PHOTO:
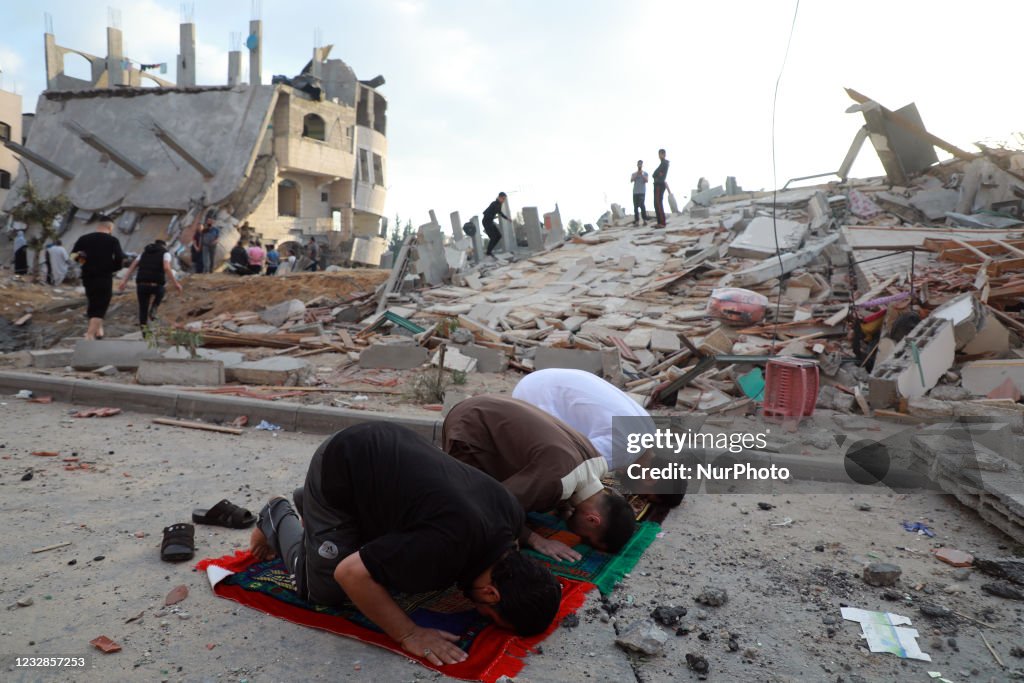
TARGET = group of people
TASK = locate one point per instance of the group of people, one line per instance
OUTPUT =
(639, 178)
(249, 258)
(383, 509)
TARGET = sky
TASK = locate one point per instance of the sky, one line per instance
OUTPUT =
(554, 101)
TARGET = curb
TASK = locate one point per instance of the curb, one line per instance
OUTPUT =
(182, 404)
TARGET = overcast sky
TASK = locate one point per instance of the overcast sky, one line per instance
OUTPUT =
(555, 100)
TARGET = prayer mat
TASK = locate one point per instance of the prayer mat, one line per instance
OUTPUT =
(493, 652)
(601, 569)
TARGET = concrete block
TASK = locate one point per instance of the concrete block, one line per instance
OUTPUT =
(576, 359)
(639, 337)
(910, 374)
(257, 329)
(59, 388)
(51, 358)
(992, 337)
(454, 360)
(966, 314)
(311, 329)
(90, 354)
(553, 227)
(181, 372)
(228, 358)
(278, 314)
(534, 230)
(611, 365)
(574, 322)
(487, 359)
(276, 370)
(393, 356)
(980, 377)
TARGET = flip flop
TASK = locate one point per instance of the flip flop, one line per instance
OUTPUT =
(179, 543)
(224, 513)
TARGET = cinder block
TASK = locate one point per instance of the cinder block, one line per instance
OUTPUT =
(51, 358)
(576, 359)
(920, 359)
(393, 356)
(276, 315)
(276, 370)
(181, 372)
(90, 354)
(487, 359)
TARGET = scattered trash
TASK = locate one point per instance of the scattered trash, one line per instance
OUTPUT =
(27, 476)
(766, 506)
(957, 558)
(786, 521)
(240, 421)
(920, 528)
(885, 633)
(135, 618)
(105, 645)
(177, 594)
(268, 426)
(41, 399)
(24, 393)
(46, 454)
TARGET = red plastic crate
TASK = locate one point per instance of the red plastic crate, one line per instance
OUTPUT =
(790, 387)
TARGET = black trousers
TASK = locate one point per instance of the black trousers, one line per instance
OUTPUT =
(493, 235)
(270, 269)
(150, 295)
(639, 206)
(21, 261)
(98, 291)
(659, 199)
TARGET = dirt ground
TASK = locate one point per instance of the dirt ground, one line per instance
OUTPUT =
(60, 311)
(785, 584)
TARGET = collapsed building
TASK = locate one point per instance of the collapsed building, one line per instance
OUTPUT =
(301, 157)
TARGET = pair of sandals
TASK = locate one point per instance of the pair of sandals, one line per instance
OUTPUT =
(179, 541)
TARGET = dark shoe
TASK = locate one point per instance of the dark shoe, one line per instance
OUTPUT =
(179, 543)
(225, 513)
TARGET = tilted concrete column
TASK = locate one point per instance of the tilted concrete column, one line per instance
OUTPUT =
(534, 231)
(187, 56)
(478, 240)
(54, 61)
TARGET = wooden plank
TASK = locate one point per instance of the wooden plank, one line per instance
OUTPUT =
(196, 425)
(51, 547)
(838, 317)
(22, 320)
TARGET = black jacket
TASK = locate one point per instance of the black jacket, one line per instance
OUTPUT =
(151, 265)
(660, 173)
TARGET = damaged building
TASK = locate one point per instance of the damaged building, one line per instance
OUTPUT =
(304, 156)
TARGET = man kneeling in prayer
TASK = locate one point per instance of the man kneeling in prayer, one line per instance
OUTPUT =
(384, 510)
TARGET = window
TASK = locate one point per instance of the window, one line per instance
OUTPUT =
(313, 127)
(378, 170)
(380, 113)
(364, 167)
(5, 131)
(5, 180)
(287, 198)
(363, 108)
(323, 197)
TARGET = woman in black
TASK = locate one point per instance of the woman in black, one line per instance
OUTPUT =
(154, 267)
(101, 257)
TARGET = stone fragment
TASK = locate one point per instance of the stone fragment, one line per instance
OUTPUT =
(642, 636)
(881, 574)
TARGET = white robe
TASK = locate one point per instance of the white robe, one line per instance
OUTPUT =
(59, 261)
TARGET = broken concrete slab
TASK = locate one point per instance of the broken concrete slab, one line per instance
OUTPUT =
(454, 360)
(90, 354)
(258, 329)
(51, 358)
(277, 370)
(665, 341)
(180, 372)
(393, 356)
(228, 358)
(966, 314)
(758, 239)
(980, 377)
(277, 315)
(935, 203)
(770, 267)
(487, 359)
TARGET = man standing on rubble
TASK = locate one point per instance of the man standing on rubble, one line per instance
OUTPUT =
(101, 257)
(493, 233)
(660, 174)
(313, 254)
(384, 510)
(543, 462)
(211, 236)
(639, 180)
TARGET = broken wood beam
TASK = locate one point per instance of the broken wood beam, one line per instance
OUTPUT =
(196, 425)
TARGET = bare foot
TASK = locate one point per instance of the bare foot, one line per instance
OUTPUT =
(259, 547)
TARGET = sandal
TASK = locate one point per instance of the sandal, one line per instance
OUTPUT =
(224, 513)
(179, 543)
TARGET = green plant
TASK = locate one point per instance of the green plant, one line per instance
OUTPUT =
(458, 377)
(178, 337)
(39, 213)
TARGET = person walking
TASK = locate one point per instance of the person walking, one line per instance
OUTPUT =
(196, 248)
(493, 210)
(313, 254)
(101, 257)
(273, 259)
(20, 254)
(639, 180)
(211, 235)
(57, 260)
(256, 257)
(154, 269)
(660, 174)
